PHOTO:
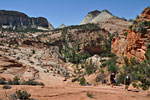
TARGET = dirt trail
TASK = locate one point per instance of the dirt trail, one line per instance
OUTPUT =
(75, 92)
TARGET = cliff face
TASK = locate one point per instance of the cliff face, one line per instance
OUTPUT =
(18, 19)
(136, 40)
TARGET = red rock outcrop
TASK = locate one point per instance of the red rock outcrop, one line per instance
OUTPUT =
(145, 15)
(135, 46)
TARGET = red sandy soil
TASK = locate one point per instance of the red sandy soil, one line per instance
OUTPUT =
(76, 92)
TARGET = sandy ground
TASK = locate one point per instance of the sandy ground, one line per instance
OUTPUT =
(76, 92)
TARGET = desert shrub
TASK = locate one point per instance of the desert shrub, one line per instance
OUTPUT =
(90, 68)
(4, 69)
(75, 79)
(146, 23)
(113, 68)
(111, 65)
(31, 82)
(125, 33)
(120, 78)
(90, 95)
(22, 95)
(130, 27)
(134, 84)
(33, 51)
(82, 81)
(103, 65)
(101, 71)
(10, 82)
(2, 81)
(133, 29)
(6, 87)
(15, 81)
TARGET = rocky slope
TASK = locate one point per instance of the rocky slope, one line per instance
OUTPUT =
(15, 19)
(135, 40)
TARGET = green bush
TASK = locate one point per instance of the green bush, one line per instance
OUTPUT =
(125, 34)
(130, 27)
(82, 81)
(6, 87)
(75, 79)
(120, 78)
(31, 82)
(2, 81)
(10, 82)
(146, 23)
(22, 95)
(15, 81)
(90, 95)
(134, 84)
(101, 71)
(90, 68)
(111, 65)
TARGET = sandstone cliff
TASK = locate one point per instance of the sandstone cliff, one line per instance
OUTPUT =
(15, 19)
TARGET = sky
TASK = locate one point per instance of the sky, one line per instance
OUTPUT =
(71, 12)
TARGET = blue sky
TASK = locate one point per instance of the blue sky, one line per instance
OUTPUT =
(71, 12)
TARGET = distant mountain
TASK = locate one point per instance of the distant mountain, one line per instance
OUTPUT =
(96, 16)
(15, 19)
(62, 26)
(107, 20)
(104, 15)
(91, 15)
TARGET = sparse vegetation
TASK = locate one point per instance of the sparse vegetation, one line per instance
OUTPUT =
(22, 95)
(90, 95)
(139, 71)
(6, 87)
(31, 82)
(120, 78)
(90, 68)
(85, 27)
(82, 81)
(16, 81)
(111, 65)
(73, 53)
(21, 29)
(125, 33)
(75, 79)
